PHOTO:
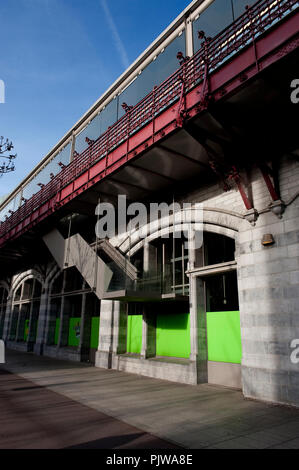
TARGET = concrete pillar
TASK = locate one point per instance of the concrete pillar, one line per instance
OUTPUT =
(85, 329)
(31, 336)
(268, 281)
(112, 339)
(33, 325)
(54, 309)
(148, 333)
(21, 322)
(64, 322)
(7, 319)
(41, 325)
(13, 323)
(120, 327)
(198, 327)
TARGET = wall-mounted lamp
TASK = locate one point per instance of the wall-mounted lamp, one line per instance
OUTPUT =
(268, 239)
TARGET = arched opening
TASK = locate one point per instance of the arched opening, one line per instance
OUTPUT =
(25, 312)
(73, 318)
(3, 302)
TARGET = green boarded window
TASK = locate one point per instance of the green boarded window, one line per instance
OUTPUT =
(134, 334)
(74, 331)
(224, 337)
(173, 335)
(94, 336)
(26, 330)
(57, 326)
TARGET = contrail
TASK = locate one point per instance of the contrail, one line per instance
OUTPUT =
(118, 42)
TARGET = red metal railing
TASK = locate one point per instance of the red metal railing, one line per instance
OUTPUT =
(220, 49)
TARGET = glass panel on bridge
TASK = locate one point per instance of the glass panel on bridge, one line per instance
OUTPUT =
(154, 73)
(239, 6)
(109, 115)
(92, 131)
(48, 172)
(11, 206)
(214, 19)
(53, 167)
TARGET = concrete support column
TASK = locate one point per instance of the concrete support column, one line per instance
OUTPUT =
(148, 334)
(33, 325)
(85, 329)
(113, 326)
(21, 322)
(54, 308)
(41, 325)
(268, 281)
(64, 322)
(7, 319)
(120, 327)
(31, 335)
(13, 323)
(198, 328)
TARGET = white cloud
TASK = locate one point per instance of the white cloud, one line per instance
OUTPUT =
(116, 37)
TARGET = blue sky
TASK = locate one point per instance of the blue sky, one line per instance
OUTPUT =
(58, 56)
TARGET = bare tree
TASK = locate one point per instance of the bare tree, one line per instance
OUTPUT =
(7, 164)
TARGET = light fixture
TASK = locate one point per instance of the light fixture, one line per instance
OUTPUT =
(268, 239)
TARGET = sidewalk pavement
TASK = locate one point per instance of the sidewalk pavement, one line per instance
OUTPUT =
(201, 416)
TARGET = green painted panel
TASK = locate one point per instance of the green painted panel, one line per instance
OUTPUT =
(74, 331)
(224, 337)
(94, 336)
(57, 326)
(134, 334)
(26, 330)
(173, 335)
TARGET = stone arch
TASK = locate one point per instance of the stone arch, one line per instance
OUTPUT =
(23, 277)
(51, 277)
(222, 222)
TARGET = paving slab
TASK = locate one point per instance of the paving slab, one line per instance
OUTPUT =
(34, 417)
(199, 416)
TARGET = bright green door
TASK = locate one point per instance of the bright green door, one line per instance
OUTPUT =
(224, 337)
